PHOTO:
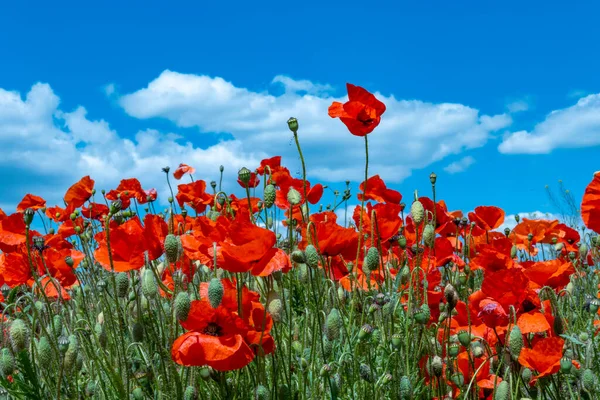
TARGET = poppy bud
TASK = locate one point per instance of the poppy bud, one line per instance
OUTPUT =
(451, 296)
(7, 363)
(182, 306)
(526, 375)
(269, 195)
(166, 169)
(333, 324)
(28, 215)
(325, 370)
(312, 256)
(294, 197)
(365, 372)
(172, 248)
(371, 262)
(507, 231)
(437, 366)
(405, 388)
(215, 292)
(205, 373)
(458, 379)
(515, 342)
(44, 351)
(293, 124)
(137, 394)
(274, 305)
(502, 391)
(429, 235)
(191, 393)
(560, 325)
(588, 379)
(422, 314)
(298, 257)
(149, 285)
(115, 206)
(418, 212)
(432, 178)
(137, 332)
(19, 335)
(244, 175)
(462, 278)
(517, 218)
(583, 250)
(122, 281)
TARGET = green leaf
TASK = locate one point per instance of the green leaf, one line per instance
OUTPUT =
(572, 339)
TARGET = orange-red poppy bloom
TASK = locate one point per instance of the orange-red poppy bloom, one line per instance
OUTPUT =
(80, 192)
(155, 231)
(590, 205)
(273, 164)
(361, 113)
(544, 357)
(129, 189)
(127, 244)
(182, 170)
(533, 322)
(378, 191)
(194, 194)
(31, 201)
(487, 217)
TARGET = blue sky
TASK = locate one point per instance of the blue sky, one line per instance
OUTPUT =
(473, 84)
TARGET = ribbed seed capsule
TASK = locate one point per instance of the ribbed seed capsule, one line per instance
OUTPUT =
(215, 292)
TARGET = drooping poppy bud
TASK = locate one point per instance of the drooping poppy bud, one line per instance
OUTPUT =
(149, 285)
(312, 256)
(371, 262)
(215, 292)
(172, 244)
(515, 342)
(19, 335)
(333, 324)
(182, 306)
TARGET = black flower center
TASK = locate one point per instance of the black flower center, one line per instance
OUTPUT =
(212, 329)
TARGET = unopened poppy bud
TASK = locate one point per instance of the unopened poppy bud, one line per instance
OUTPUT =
(462, 278)
(588, 379)
(205, 373)
(418, 212)
(405, 388)
(122, 281)
(364, 371)
(583, 250)
(244, 175)
(432, 178)
(422, 314)
(274, 306)
(515, 342)
(312, 256)
(28, 215)
(594, 306)
(529, 237)
(44, 351)
(115, 206)
(215, 292)
(293, 124)
(298, 257)
(526, 375)
(517, 218)
(166, 169)
(7, 363)
(560, 325)
(182, 306)
(19, 335)
(451, 296)
(137, 394)
(371, 262)
(429, 235)
(506, 232)
(437, 366)
(513, 251)
(365, 332)
(269, 195)
(149, 285)
(191, 393)
(294, 197)
(333, 324)
(172, 244)
(502, 391)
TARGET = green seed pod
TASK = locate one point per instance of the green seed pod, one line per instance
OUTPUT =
(137, 394)
(122, 280)
(405, 388)
(365, 332)
(502, 391)
(172, 244)
(526, 375)
(464, 338)
(312, 256)
(215, 292)
(404, 275)
(341, 294)
(365, 373)
(588, 379)
(275, 306)
(371, 262)
(269, 196)
(294, 197)
(205, 373)
(583, 336)
(333, 324)
(190, 393)
(402, 242)
(454, 349)
(429, 235)
(182, 305)
(458, 379)
(422, 314)
(565, 365)
(325, 371)
(515, 342)
(396, 340)
(269, 222)
(418, 212)
(44, 351)
(583, 250)
(19, 335)
(298, 257)
(149, 285)
(7, 363)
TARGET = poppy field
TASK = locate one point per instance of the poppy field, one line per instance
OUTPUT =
(266, 293)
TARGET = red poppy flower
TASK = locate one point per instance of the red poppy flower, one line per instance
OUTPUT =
(508, 287)
(274, 164)
(332, 238)
(554, 273)
(31, 201)
(361, 113)
(252, 183)
(95, 211)
(215, 338)
(492, 313)
(533, 322)
(544, 357)
(487, 217)
(12, 232)
(127, 243)
(388, 221)
(155, 231)
(194, 194)
(14, 268)
(376, 190)
(182, 170)
(590, 205)
(128, 189)
(53, 289)
(57, 265)
(59, 214)
(79, 192)
(274, 260)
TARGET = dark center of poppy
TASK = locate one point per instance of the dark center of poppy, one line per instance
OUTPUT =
(365, 116)
(212, 329)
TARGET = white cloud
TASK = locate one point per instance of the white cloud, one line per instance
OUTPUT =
(517, 106)
(109, 89)
(572, 127)
(460, 165)
(510, 221)
(412, 134)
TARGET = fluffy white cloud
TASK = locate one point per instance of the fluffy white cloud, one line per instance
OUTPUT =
(572, 127)
(412, 134)
(460, 165)
(517, 106)
(46, 149)
(510, 221)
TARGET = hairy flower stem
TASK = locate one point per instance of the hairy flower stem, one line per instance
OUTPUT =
(303, 176)
(362, 202)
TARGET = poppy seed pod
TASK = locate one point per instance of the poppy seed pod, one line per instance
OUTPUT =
(191, 393)
(172, 244)
(269, 195)
(371, 262)
(365, 332)
(418, 212)
(451, 296)
(515, 342)
(19, 335)
(396, 340)
(502, 391)
(115, 206)
(312, 256)
(432, 178)
(294, 197)
(325, 371)
(122, 281)
(422, 314)
(437, 366)
(565, 365)
(402, 242)
(7, 363)
(244, 175)
(69, 261)
(149, 285)
(274, 305)
(333, 324)
(215, 292)
(293, 124)
(298, 257)
(28, 215)
(182, 306)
